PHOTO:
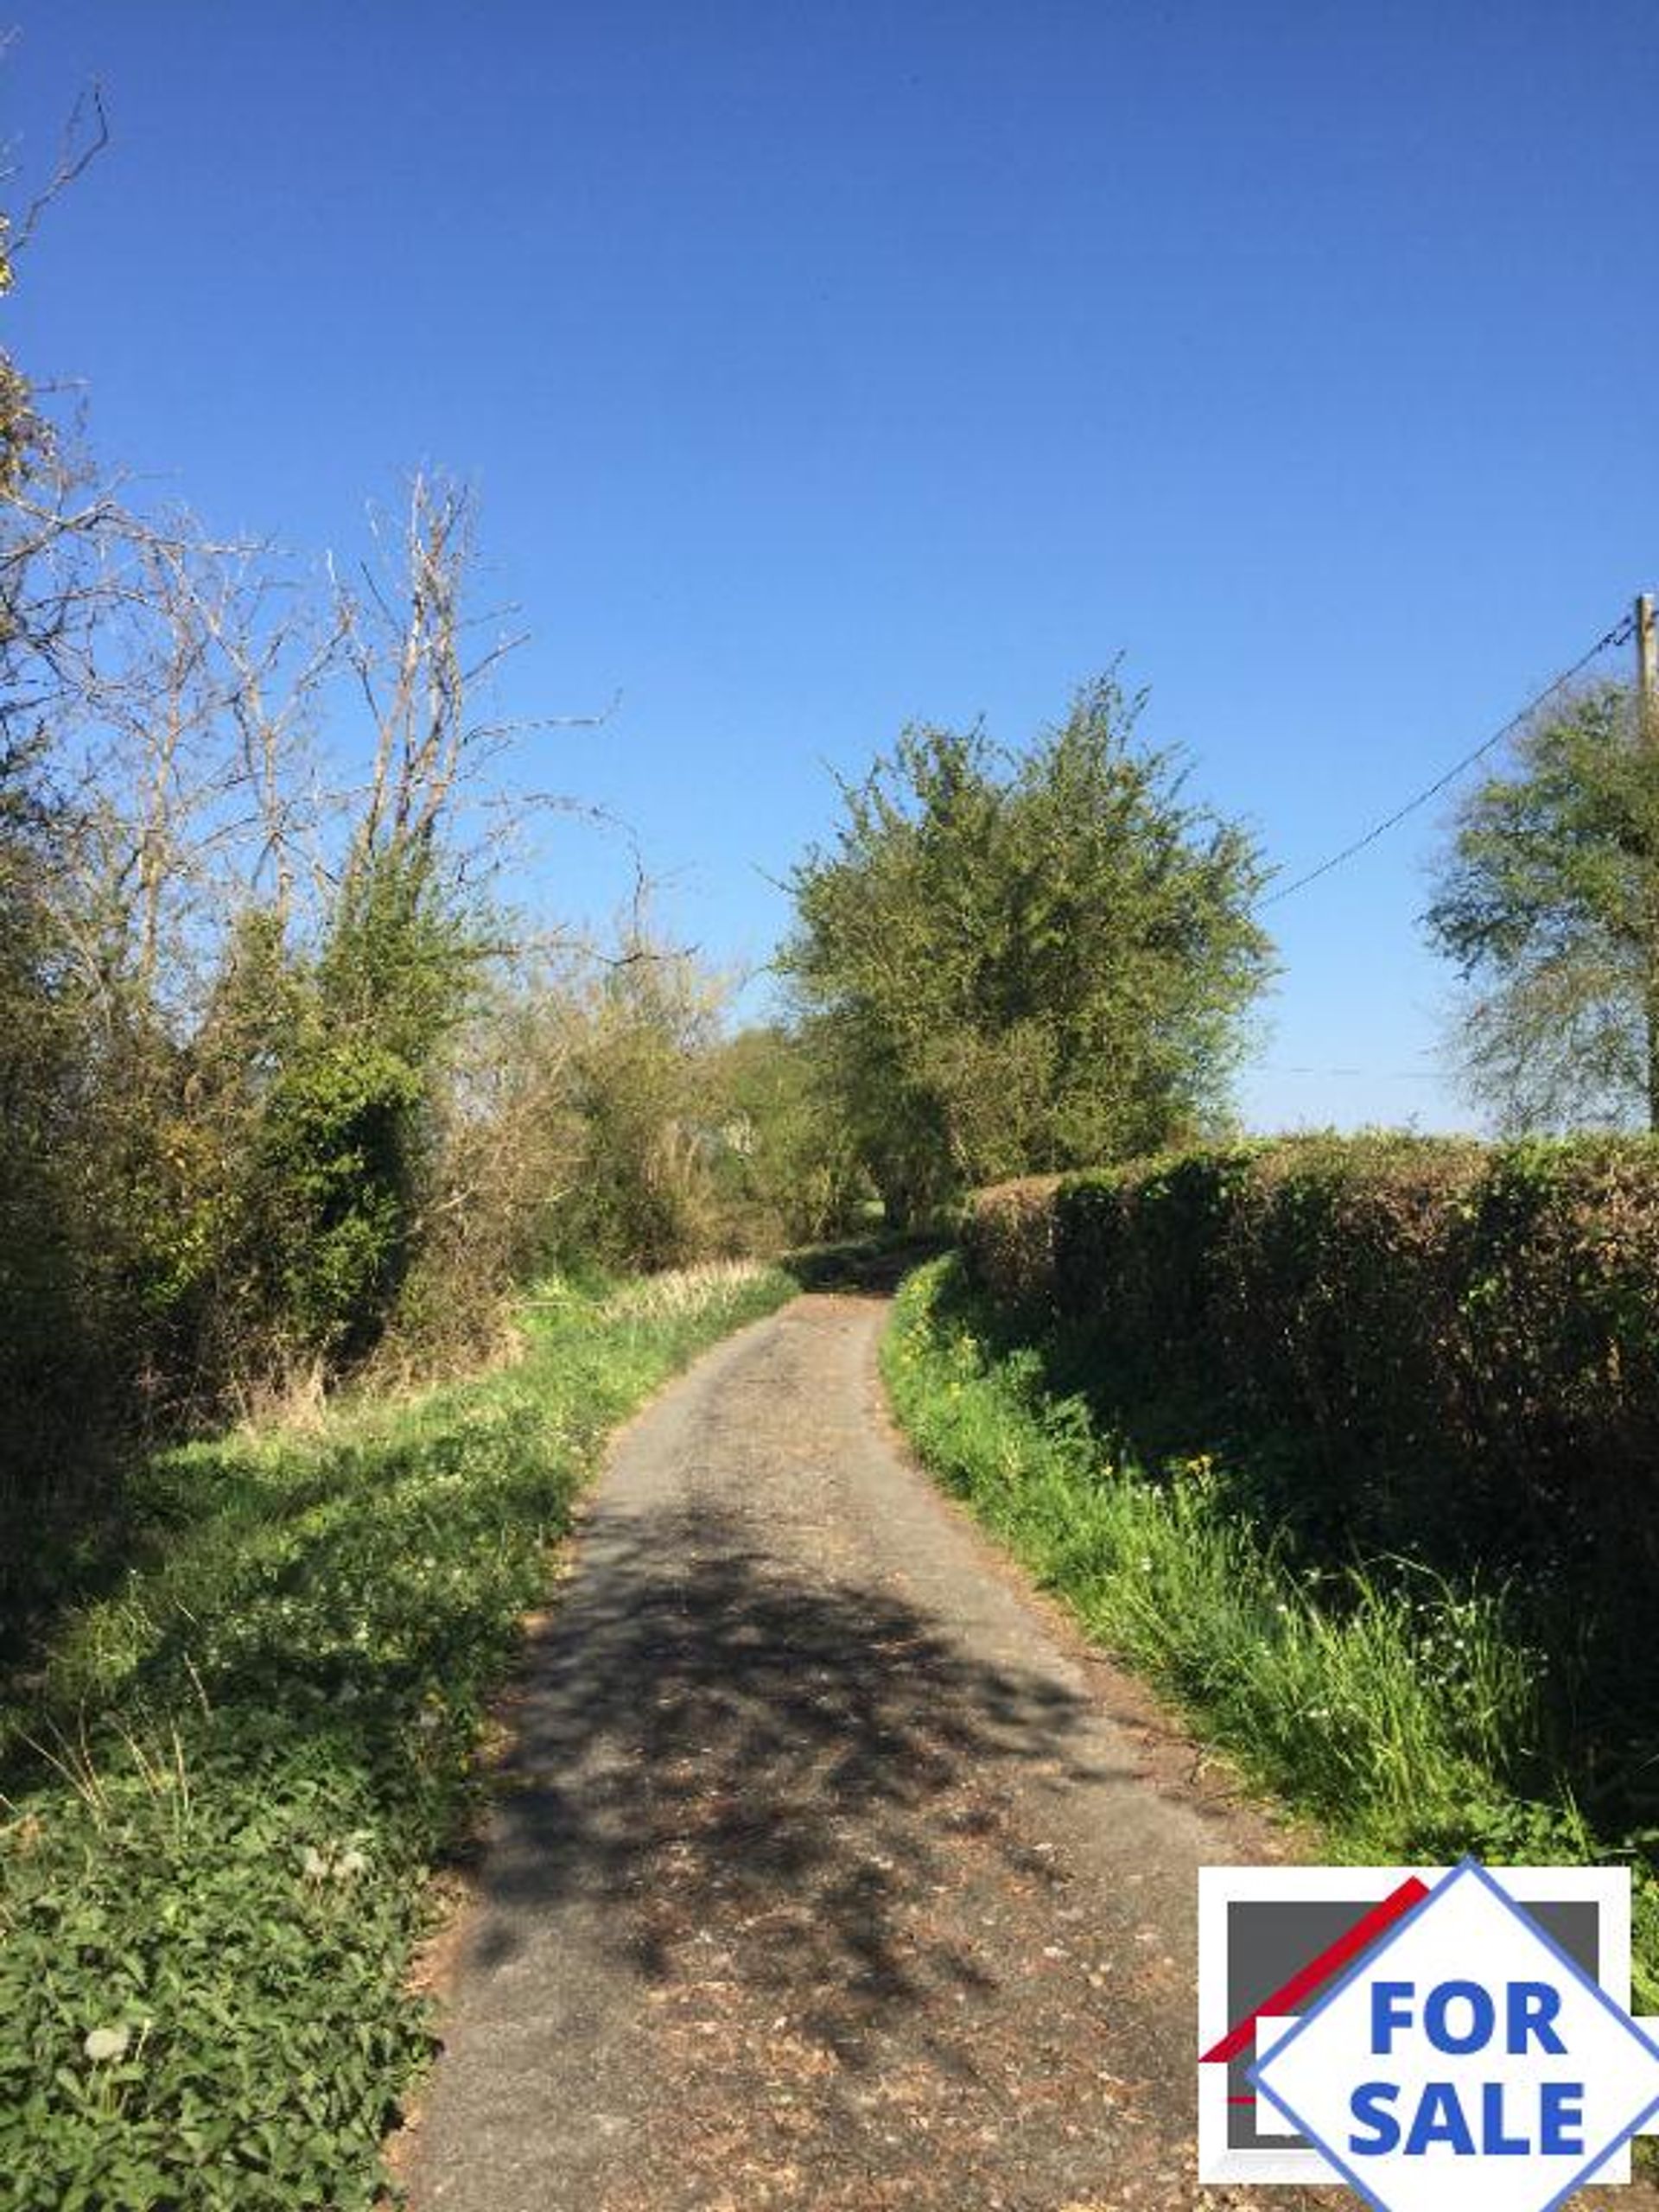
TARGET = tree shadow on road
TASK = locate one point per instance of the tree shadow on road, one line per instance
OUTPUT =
(872, 1267)
(812, 1778)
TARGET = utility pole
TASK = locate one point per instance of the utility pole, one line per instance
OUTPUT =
(1647, 714)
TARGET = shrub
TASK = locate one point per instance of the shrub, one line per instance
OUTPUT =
(1010, 1232)
(1462, 1341)
(336, 1164)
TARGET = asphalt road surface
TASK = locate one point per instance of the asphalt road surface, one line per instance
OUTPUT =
(828, 1870)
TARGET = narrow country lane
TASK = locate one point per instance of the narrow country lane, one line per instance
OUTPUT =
(821, 1876)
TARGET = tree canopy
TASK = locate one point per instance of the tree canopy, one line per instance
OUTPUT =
(1019, 961)
(1546, 899)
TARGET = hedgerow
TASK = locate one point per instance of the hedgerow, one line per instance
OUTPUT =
(1406, 1710)
(1462, 1341)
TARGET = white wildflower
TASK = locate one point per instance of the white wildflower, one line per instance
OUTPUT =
(106, 2044)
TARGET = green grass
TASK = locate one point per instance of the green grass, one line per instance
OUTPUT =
(1401, 1712)
(223, 1797)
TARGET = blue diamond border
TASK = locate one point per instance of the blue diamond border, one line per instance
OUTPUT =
(1367, 1962)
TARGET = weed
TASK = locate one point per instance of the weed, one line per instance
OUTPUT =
(222, 1800)
(1400, 1709)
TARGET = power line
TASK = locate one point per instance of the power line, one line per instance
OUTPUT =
(1368, 1075)
(1620, 634)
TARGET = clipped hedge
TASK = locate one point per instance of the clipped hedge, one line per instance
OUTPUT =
(1460, 1341)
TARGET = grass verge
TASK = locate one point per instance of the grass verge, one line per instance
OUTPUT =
(1399, 1711)
(224, 1796)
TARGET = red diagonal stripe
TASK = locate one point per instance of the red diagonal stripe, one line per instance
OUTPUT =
(1365, 1931)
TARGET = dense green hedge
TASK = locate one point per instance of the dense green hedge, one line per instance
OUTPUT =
(1462, 1341)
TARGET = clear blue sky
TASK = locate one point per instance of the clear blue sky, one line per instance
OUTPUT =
(822, 367)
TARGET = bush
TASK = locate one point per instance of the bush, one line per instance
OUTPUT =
(1009, 1233)
(335, 1165)
(1462, 1340)
(1409, 1712)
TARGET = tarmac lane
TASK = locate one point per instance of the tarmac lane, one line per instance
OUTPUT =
(827, 1870)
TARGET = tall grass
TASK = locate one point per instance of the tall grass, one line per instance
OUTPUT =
(682, 1290)
(226, 1790)
(1401, 1711)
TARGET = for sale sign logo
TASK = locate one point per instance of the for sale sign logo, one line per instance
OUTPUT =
(1449, 2037)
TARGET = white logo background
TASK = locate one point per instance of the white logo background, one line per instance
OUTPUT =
(1519, 1998)
(1467, 1930)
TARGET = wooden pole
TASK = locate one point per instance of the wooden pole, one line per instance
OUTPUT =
(1647, 711)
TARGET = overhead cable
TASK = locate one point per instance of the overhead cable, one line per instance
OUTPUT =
(1620, 634)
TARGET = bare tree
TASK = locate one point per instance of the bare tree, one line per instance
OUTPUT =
(408, 641)
(188, 716)
(55, 510)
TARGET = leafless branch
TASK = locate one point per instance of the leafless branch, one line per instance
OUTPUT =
(76, 154)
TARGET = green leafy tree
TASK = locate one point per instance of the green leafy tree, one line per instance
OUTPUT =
(787, 1169)
(1547, 901)
(645, 1194)
(1018, 961)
